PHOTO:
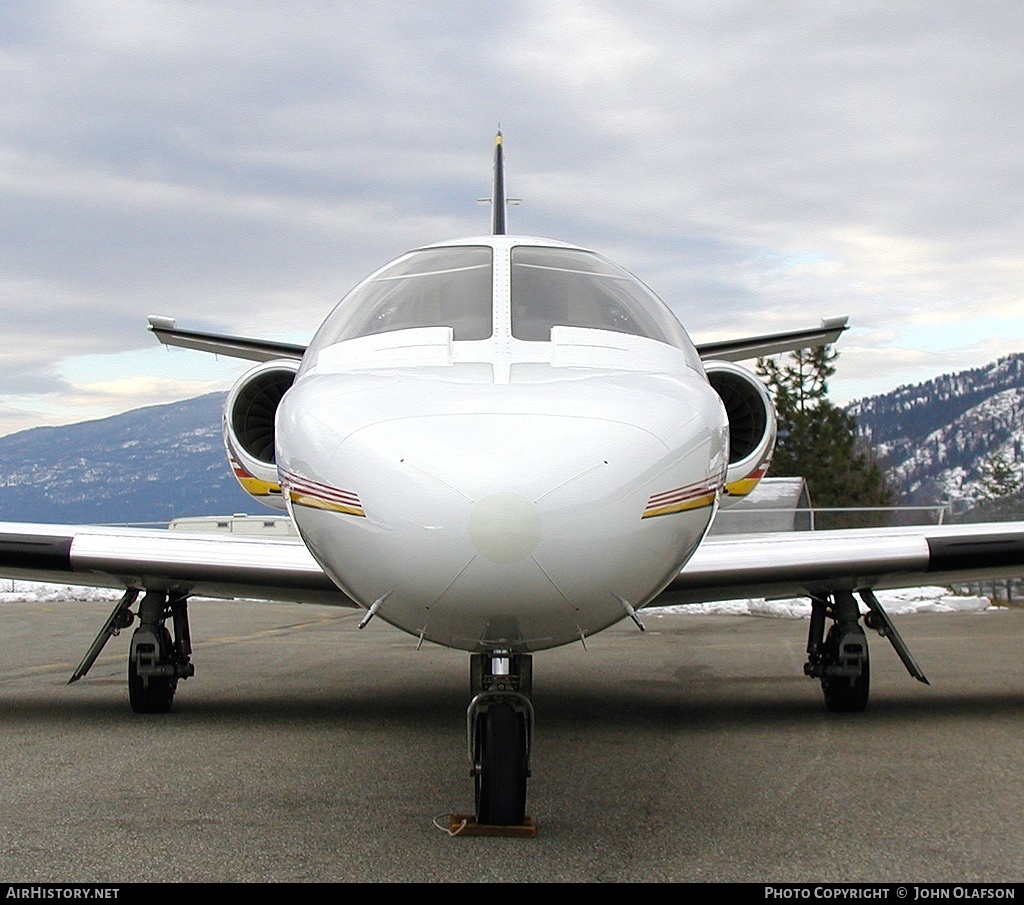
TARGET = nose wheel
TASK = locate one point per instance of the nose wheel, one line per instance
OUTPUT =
(500, 766)
(500, 726)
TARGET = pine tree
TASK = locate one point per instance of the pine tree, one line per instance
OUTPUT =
(818, 441)
(1002, 493)
(801, 384)
(998, 478)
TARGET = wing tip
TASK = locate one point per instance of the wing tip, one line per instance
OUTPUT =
(160, 322)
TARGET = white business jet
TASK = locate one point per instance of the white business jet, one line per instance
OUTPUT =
(502, 444)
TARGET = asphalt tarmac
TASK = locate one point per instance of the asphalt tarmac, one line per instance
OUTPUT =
(306, 750)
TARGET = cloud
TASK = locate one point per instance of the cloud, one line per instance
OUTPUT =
(241, 166)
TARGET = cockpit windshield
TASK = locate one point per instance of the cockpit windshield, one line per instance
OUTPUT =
(434, 287)
(574, 288)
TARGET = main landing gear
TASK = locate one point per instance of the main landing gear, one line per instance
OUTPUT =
(156, 659)
(840, 659)
(499, 722)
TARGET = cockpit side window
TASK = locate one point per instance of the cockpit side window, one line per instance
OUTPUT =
(566, 287)
(434, 287)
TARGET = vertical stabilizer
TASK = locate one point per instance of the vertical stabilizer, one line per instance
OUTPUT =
(498, 211)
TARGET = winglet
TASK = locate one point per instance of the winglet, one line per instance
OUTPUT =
(773, 343)
(498, 213)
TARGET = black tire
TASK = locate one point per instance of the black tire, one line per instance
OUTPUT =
(501, 754)
(844, 694)
(157, 695)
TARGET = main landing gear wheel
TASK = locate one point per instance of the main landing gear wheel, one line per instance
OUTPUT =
(155, 660)
(150, 694)
(840, 659)
(846, 651)
(501, 766)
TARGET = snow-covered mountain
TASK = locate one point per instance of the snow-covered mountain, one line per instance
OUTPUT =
(939, 440)
(167, 461)
(148, 465)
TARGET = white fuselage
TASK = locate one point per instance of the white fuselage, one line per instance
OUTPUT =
(495, 492)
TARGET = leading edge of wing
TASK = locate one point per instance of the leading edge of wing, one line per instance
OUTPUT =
(804, 563)
(748, 347)
(169, 334)
(199, 564)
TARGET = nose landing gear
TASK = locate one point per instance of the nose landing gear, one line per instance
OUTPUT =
(499, 724)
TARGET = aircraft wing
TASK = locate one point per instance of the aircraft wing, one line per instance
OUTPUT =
(802, 563)
(165, 330)
(202, 564)
(739, 349)
(748, 347)
(790, 564)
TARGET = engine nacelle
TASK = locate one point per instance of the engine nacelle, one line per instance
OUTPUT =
(249, 428)
(752, 426)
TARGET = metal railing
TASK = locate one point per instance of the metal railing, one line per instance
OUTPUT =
(1001, 591)
(741, 519)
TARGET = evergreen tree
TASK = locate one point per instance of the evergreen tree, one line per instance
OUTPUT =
(818, 441)
(801, 384)
(1002, 493)
(998, 478)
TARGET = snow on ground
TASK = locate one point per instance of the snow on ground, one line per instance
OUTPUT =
(14, 591)
(895, 603)
(901, 602)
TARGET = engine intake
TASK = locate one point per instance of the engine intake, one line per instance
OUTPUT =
(249, 435)
(752, 425)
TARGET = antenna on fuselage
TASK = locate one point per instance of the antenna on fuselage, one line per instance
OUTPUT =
(498, 201)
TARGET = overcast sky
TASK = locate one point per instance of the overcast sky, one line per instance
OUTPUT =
(240, 165)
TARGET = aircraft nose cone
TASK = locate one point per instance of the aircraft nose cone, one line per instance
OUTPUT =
(514, 520)
(504, 527)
